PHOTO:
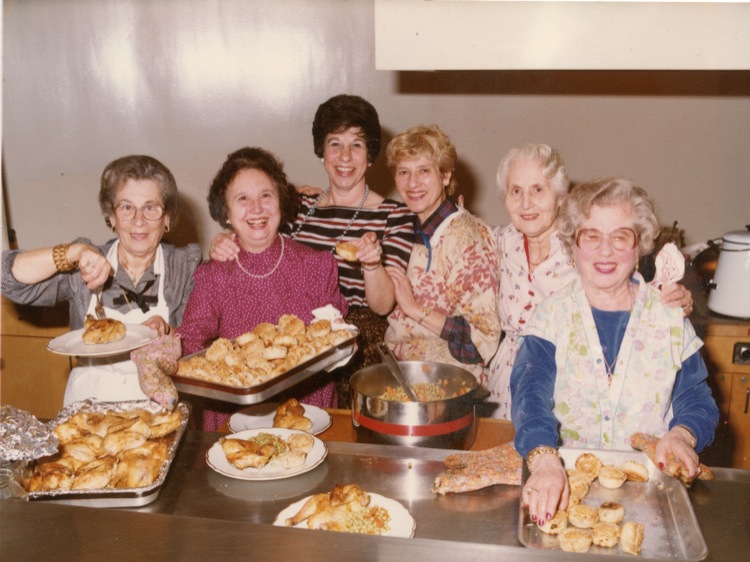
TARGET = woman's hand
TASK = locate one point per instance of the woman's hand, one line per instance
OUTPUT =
(677, 295)
(158, 324)
(546, 490)
(94, 267)
(309, 190)
(679, 442)
(369, 251)
(404, 293)
(224, 247)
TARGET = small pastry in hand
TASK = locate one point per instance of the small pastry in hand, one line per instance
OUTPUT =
(347, 251)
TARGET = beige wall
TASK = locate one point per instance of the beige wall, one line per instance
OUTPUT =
(86, 81)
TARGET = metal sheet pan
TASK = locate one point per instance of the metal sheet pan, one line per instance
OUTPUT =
(661, 504)
(125, 497)
(260, 392)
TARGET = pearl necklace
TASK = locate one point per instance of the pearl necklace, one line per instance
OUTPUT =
(312, 210)
(275, 267)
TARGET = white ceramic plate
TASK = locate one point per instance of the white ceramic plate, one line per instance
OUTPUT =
(136, 335)
(402, 524)
(261, 415)
(217, 460)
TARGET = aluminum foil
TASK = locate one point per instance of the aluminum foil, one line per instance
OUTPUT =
(23, 437)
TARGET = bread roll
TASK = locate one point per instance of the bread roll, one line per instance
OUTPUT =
(611, 476)
(347, 251)
(589, 462)
(605, 534)
(555, 525)
(583, 516)
(635, 471)
(631, 538)
(575, 540)
(611, 512)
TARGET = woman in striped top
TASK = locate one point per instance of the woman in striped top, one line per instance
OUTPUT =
(346, 137)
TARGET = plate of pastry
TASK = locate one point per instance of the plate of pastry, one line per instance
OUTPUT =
(132, 337)
(266, 454)
(290, 415)
(348, 508)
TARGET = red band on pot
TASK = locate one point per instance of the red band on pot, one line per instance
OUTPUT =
(430, 430)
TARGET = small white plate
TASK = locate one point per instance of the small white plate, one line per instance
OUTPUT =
(261, 415)
(217, 460)
(136, 335)
(402, 524)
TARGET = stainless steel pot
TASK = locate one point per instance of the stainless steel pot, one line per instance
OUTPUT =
(446, 424)
(730, 288)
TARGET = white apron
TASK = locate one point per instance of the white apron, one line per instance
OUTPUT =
(115, 378)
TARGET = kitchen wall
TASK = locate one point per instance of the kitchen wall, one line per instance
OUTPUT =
(86, 81)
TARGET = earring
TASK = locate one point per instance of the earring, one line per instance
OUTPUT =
(322, 161)
(166, 228)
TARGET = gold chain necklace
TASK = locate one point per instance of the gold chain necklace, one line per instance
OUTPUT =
(611, 368)
(275, 267)
(132, 273)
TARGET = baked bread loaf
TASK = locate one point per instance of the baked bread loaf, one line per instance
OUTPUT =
(631, 538)
(347, 251)
(103, 330)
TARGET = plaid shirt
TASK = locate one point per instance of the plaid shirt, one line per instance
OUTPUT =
(456, 330)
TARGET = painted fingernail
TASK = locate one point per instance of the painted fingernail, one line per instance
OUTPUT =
(533, 517)
(549, 516)
(541, 523)
(661, 466)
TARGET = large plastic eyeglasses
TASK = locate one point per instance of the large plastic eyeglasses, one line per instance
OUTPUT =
(126, 212)
(621, 239)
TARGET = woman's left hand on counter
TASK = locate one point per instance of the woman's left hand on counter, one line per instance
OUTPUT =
(678, 441)
(677, 295)
(158, 324)
(546, 490)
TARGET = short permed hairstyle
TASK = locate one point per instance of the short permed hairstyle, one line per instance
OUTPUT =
(137, 167)
(251, 159)
(549, 159)
(341, 113)
(429, 142)
(607, 192)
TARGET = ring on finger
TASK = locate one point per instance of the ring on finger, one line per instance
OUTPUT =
(529, 490)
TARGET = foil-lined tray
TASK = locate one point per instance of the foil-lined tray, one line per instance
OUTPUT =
(261, 392)
(117, 497)
(661, 504)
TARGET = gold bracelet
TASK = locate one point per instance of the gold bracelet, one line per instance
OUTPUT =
(693, 440)
(541, 450)
(60, 257)
(371, 268)
(426, 311)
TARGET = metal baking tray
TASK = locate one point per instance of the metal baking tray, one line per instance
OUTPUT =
(120, 497)
(661, 504)
(261, 392)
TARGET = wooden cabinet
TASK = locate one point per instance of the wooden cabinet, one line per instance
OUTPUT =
(727, 345)
(32, 378)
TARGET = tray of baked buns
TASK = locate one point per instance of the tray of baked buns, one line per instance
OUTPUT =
(621, 504)
(111, 454)
(264, 361)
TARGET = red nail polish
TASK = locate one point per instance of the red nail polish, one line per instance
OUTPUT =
(661, 466)
(533, 517)
(549, 516)
(541, 523)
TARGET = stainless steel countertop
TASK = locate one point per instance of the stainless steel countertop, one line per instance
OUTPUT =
(201, 515)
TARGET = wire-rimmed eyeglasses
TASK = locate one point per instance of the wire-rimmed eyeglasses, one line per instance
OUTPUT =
(620, 239)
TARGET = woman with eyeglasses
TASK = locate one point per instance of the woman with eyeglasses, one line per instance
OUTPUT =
(139, 278)
(605, 358)
(532, 180)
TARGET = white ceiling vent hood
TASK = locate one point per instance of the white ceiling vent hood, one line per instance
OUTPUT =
(561, 35)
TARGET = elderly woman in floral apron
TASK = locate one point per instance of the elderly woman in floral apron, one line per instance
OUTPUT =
(604, 358)
(138, 278)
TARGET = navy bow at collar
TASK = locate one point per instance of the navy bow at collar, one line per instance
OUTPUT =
(141, 299)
